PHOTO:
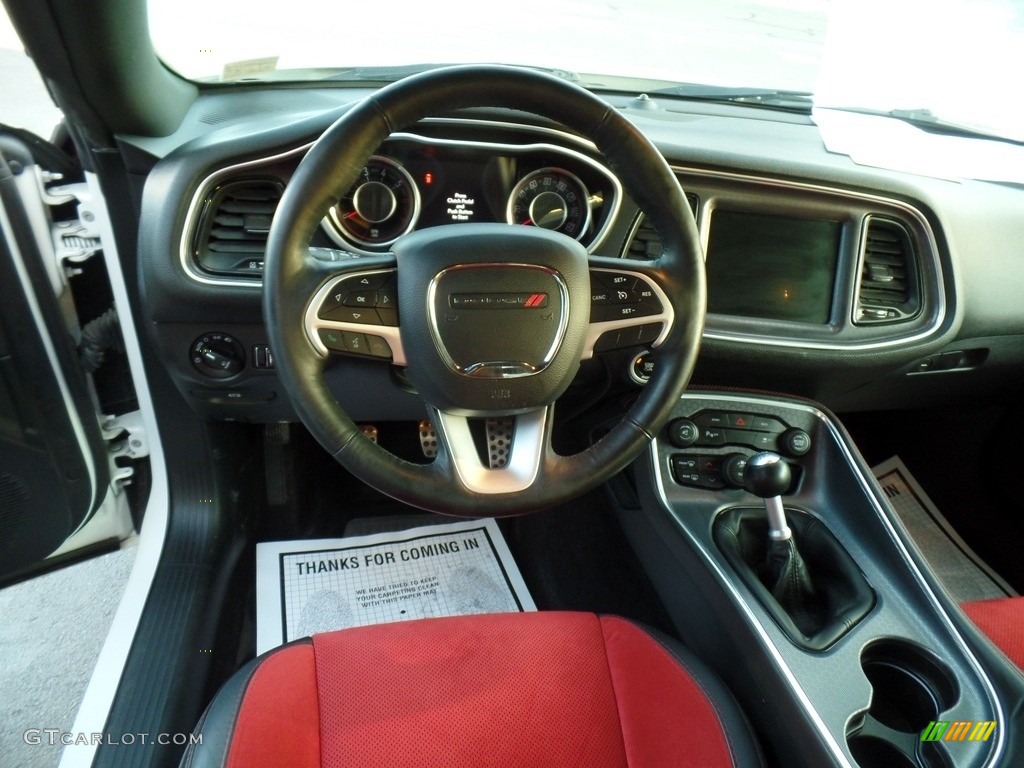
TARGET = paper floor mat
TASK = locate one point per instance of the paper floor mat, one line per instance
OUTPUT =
(317, 585)
(962, 572)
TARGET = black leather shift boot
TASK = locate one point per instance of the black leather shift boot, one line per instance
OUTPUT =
(784, 573)
(811, 586)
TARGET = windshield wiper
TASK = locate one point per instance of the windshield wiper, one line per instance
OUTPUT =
(928, 121)
(795, 101)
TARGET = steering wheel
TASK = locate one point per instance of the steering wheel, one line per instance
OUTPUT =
(492, 320)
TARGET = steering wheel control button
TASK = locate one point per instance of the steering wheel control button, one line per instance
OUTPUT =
(795, 442)
(333, 340)
(377, 346)
(683, 433)
(218, 355)
(361, 299)
(617, 296)
(359, 292)
(355, 343)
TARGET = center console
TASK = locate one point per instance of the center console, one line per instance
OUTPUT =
(885, 654)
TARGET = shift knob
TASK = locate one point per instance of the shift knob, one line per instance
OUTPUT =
(766, 475)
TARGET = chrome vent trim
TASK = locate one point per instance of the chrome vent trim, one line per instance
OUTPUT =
(888, 286)
(231, 238)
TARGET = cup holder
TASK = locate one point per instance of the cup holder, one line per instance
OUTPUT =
(909, 689)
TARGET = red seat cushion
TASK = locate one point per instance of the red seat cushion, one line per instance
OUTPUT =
(1003, 621)
(559, 689)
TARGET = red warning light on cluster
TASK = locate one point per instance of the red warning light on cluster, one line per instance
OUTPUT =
(428, 178)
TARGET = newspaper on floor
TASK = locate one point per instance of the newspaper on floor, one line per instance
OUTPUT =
(316, 585)
(962, 572)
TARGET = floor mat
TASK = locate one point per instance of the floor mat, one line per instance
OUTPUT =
(962, 572)
(318, 585)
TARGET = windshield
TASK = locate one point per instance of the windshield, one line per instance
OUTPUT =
(945, 59)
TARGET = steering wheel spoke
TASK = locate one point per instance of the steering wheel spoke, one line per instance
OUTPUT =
(489, 458)
(356, 313)
(628, 307)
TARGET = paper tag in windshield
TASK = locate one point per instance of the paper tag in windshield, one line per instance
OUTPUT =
(239, 70)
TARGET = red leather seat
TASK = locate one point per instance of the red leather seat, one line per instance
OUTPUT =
(1002, 619)
(525, 689)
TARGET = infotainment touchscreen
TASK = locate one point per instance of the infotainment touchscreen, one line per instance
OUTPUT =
(772, 267)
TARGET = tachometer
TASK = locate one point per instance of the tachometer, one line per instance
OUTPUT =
(381, 206)
(551, 198)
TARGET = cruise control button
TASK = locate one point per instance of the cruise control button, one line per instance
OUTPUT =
(623, 296)
(616, 281)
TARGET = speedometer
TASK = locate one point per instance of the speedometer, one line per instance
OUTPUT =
(551, 198)
(380, 207)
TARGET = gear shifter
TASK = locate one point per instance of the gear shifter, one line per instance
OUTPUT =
(768, 476)
(784, 572)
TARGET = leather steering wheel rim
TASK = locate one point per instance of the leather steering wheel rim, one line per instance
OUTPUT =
(292, 276)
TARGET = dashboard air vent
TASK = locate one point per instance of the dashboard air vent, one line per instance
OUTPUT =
(646, 244)
(888, 290)
(232, 236)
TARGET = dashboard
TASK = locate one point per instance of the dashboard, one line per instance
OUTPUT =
(853, 285)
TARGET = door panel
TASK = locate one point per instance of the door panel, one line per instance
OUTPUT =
(54, 471)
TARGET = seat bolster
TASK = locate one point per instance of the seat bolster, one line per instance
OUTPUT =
(266, 715)
(1002, 619)
(673, 710)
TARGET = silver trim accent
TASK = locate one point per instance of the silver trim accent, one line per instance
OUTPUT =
(516, 369)
(637, 379)
(858, 279)
(740, 601)
(666, 317)
(552, 170)
(335, 229)
(311, 322)
(523, 462)
(207, 184)
(188, 229)
(704, 225)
